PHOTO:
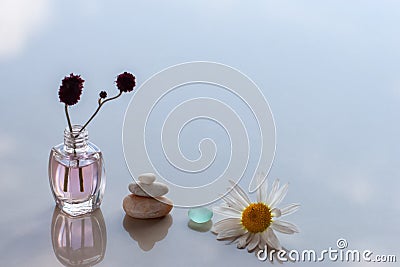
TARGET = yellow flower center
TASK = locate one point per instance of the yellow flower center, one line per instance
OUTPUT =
(256, 217)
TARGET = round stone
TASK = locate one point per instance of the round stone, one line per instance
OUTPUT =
(147, 178)
(146, 207)
(154, 190)
(200, 215)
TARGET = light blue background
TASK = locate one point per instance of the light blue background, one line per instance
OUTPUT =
(329, 69)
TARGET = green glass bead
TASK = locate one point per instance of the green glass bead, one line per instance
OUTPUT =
(200, 215)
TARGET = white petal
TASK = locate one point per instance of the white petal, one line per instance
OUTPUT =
(263, 238)
(263, 242)
(232, 202)
(279, 196)
(234, 195)
(290, 209)
(229, 233)
(240, 193)
(227, 223)
(284, 227)
(262, 189)
(254, 242)
(224, 204)
(243, 240)
(274, 189)
(227, 211)
(259, 180)
(272, 240)
(276, 212)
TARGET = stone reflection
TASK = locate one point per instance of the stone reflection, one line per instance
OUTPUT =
(78, 241)
(149, 231)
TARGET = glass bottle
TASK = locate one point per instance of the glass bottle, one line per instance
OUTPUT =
(76, 173)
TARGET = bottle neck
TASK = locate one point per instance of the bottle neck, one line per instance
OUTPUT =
(76, 141)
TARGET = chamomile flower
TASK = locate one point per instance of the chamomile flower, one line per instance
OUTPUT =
(253, 224)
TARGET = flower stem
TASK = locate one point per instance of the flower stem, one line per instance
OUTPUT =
(80, 179)
(66, 174)
(101, 103)
(98, 108)
(66, 179)
(68, 119)
(67, 168)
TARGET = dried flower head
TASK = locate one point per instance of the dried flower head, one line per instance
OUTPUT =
(125, 82)
(103, 94)
(71, 89)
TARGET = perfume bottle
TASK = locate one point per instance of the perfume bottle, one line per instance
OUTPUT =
(76, 173)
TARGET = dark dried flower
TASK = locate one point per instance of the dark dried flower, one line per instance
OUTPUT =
(71, 89)
(103, 94)
(125, 82)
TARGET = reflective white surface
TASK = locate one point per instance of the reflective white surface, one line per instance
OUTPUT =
(329, 69)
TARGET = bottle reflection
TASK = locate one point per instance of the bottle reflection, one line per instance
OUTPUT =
(78, 241)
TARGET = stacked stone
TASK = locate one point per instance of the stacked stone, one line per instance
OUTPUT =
(147, 200)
